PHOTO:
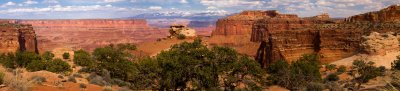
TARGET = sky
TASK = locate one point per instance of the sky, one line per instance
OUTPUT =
(85, 9)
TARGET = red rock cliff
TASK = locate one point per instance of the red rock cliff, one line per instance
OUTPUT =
(390, 14)
(289, 39)
(91, 33)
(16, 37)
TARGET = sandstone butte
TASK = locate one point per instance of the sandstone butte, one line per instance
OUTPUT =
(91, 33)
(17, 37)
(288, 37)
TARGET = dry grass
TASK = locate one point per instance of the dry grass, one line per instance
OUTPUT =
(16, 82)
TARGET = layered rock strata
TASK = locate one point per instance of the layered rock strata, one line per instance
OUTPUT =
(17, 37)
(92, 33)
(290, 38)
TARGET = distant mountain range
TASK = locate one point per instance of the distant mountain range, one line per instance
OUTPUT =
(209, 15)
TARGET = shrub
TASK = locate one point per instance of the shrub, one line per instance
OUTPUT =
(181, 36)
(77, 75)
(341, 69)
(396, 63)
(330, 67)
(315, 87)
(296, 75)
(24, 58)
(58, 66)
(38, 79)
(17, 83)
(363, 72)
(36, 65)
(83, 58)
(98, 80)
(66, 55)
(2, 78)
(72, 79)
(48, 55)
(81, 85)
(332, 77)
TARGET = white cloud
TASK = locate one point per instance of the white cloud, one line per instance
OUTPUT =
(28, 2)
(155, 7)
(8, 4)
(110, 1)
(184, 1)
(59, 8)
(51, 1)
(231, 3)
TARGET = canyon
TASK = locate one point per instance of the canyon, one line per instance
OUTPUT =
(91, 33)
(288, 37)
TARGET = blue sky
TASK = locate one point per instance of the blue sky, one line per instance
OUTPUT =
(81, 9)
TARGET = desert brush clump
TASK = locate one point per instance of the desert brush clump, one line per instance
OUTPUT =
(296, 75)
(34, 62)
(197, 68)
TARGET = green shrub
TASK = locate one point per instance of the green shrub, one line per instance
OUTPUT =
(83, 58)
(363, 71)
(2, 78)
(24, 58)
(330, 67)
(315, 87)
(332, 77)
(296, 75)
(341, 69)
(396, 64)
(181, 36)
(66, 55)
(58, 66)
(36, 65)
(48, 55)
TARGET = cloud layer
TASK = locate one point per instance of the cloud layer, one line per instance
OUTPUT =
(72, 9)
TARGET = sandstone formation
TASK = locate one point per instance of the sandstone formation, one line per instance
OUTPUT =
(288, 37)
(242, 23)
(17, 37)
(379, 43)
(91, 33)
(390, 14)
(176, 30)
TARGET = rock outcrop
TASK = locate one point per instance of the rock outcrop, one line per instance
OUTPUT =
(390, 14)
(176, 30)
(380, 43)
(242, 23)
(17, 37)
(92, 33)
(290, 38)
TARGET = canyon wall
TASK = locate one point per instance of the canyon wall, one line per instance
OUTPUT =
(288, 39)
(390, 14)
(92, 33)
(17, 37)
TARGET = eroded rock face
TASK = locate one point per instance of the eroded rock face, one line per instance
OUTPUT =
(379, 43)
(241, 24)
(290, 38)
(17, 37)
(92, 33)
(390, 14)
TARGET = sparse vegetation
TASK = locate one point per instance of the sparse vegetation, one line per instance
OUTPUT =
(330, 67)
(48, 55)
(83, 58)
(81, 85)
(66, 55)
(296, 75)
(72, 79)
(363, 71)
(181, 36)
(58, 66)
(341, 69)
(396, 64)
(2, 77)
(38, 79)
(332, 77)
